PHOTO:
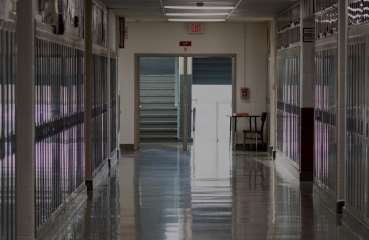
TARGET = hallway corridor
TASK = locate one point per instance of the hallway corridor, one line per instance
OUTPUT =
(161, 192)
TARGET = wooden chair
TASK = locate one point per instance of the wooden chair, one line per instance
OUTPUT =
(245, 132)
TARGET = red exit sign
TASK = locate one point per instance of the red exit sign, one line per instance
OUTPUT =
(185, 43)
(196, 28)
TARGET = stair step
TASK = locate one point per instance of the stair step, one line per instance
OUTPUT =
(157, 81)
(156, 101)
(158, 129)
(157, 88)
(155, 75)
(159, 137)
(158, 115)
(158, 109)
(159, 123)
(157, 95)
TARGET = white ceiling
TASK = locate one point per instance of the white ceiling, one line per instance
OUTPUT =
(152, 10)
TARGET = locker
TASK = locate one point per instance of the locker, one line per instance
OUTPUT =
(357, 128)
(288, 110)
(325, 117)
(7, 130)
(59, 157)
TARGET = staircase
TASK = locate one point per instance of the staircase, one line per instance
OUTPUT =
(158, 114)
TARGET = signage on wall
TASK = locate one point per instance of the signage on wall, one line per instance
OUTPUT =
(196, 28)
(244, 92)
(185, 44)
(308, 34)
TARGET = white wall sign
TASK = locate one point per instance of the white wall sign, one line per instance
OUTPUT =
(4, 9)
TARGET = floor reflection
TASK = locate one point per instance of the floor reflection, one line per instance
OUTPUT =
(161, 192)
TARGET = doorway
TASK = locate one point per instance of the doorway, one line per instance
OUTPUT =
(183, 95)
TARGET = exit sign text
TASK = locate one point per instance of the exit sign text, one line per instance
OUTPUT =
(196, 28)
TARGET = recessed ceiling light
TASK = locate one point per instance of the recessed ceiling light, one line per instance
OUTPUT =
(199, 8)
(195, 20)
(197, 14)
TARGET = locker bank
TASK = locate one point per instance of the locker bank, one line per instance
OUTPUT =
(130, 119)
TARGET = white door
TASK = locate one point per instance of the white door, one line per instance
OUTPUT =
(224, 108)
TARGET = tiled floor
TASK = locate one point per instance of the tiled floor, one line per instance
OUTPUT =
(161, 192)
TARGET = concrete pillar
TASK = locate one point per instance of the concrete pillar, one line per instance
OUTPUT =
(88, 95)
(108, 46)
(341, 92)
(25, 121)
(307, 102)
(272, 80)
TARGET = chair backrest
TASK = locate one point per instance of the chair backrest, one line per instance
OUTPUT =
(263, 117)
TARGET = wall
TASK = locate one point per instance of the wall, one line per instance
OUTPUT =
(112, 30)
(218, 38)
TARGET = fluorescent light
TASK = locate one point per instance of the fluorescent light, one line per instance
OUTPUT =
(199, 8)
(197, 14)
(195, 20)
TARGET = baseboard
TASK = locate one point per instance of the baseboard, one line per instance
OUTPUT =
(68, 213)
(250, 147)
(127, 147)
(114, 158)
(328, 200)
(270, 150)
(301, 177)
(355, 224)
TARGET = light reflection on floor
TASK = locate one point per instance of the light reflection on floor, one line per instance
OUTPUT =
(162, 192)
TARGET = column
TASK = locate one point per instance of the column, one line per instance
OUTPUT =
(341, 91)
(25, 120)
(108, 46)
(307, 102)
(88, 95)
(271, 90)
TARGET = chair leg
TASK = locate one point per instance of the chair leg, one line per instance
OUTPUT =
(244, 142)
(262, 141)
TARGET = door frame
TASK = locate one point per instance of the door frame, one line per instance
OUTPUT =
(137, 57)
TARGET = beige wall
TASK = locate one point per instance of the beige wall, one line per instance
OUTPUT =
(218, 38)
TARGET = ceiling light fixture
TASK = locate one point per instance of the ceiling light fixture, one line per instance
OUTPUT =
(195, 20)
(199, 8)
(197, 14)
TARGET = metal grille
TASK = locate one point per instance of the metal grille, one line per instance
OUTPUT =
(288, 24)
(326, 22)
(288, 106)
(99, 111)
(358, 12)
(113, 104)
(59, 117)
(325, 119)
(357, 129)
(7, 130)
